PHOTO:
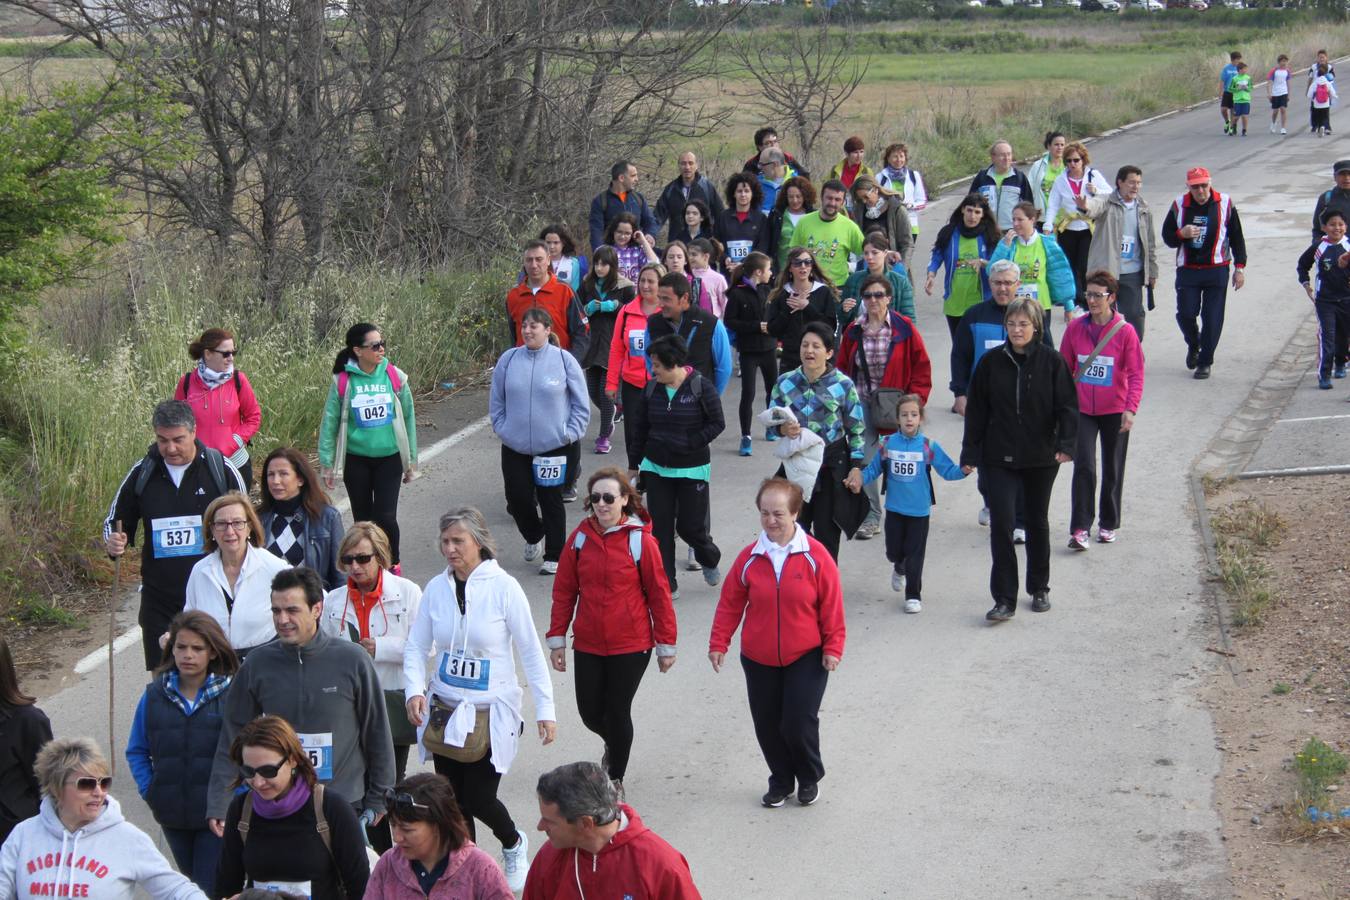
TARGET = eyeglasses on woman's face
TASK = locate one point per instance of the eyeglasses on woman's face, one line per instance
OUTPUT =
(222, 525)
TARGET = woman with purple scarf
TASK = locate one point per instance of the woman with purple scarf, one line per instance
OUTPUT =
(286, 833)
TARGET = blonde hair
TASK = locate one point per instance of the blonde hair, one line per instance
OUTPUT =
(368, 531)
(59, 759)
(233, 498)
(1079, 148)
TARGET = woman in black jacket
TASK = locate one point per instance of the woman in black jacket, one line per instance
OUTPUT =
(742, 226)
(23, 730)
(603, 292)
(1021, 423)
(675, 423)
(283, 849)
(747, 316)
(803, 294)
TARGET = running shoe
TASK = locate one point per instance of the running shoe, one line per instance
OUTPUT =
(773, 799)
(1284, 131)
(516, 863)
(1019, 535)
(675, 595)
(602, 445)
(570, 495)
(808, 794)
(691, 564)
(984, 517)
(712, 576)
(618, 415)
(1323, 383)
(1106, 535)
(897, 581)
(1078, 540)
(866, 531)
(397, 569)
(747, 447)
(532, 551)
(770, 434)
(913, 605)
(1272, 127)
(548, 567)
(1338, 372)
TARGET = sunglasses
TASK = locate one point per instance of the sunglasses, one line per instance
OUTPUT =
(603, 498)
(402, 803)
(874, 295)
(248, 772)
(1073, 159)
(87, 783)
(378, 345)
(801, 262)
(361, 558)
(226, 353)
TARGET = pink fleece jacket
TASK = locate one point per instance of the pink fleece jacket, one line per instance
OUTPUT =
(471, 875)
(1115, 383)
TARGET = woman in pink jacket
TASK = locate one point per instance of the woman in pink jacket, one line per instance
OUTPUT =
(221, 398)
(432, 856)
(1107, 364)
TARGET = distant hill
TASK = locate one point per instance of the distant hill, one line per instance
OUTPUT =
(17, 23)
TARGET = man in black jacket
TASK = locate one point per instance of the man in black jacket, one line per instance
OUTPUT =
(1338, 198)
(705, 337)
(1204, 227)
(691, 185)
(167, 492)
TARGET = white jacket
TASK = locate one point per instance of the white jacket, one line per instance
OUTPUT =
(497, 617)
(108, 859)
(1062, 202)
(249, 622)
(389, 623)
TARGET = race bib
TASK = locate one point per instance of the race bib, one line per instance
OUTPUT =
(177, 536)
(903, 464)
(991, 343)
(466, 672)
(549, 471)
(637, 341)
(739, 250)
(1029, 291)
(1203, 225)
(373, 410)
(1100, 372)
(297, 888)
(319, 749)
(1127, 248)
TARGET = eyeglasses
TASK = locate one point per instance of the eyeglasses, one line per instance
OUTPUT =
(361, 558)
(233, 525)
(378, 345)
(250, 772)
(1096, 295)
(998, 283)
(402, 802)
(87, 783)
(606, 499)
(1073, 159)
(805, 261)
(874, 295)
(226, 353)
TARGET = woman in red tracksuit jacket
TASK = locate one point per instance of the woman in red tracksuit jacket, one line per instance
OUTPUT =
(786, 587)
(1109, 391)
(627, 373)
(610, 577)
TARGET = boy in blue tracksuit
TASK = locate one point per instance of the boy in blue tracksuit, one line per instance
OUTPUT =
(908, 459)
(1330, 294)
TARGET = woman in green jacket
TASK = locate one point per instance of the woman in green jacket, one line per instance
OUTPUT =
(369, 432)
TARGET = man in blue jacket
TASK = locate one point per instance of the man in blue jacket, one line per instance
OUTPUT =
(621, 196)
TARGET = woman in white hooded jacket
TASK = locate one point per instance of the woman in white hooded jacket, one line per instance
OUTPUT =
(471, 616)
(79, 844)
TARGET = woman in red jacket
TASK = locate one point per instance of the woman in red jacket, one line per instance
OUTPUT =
(627, 375)
(612, 590)
(221, 398)
(786, 586)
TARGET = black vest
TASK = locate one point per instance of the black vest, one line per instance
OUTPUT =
(183, 749)
(696, 327)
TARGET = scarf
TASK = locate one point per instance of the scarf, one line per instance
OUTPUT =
(285, 805)
(211, 378)
(970, 232)
(364, 602)
(877, 210)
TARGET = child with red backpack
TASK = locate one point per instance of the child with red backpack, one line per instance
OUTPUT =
(1322, 93)
(909, 459)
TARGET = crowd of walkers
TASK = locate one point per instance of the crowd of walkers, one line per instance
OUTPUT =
(294, 668)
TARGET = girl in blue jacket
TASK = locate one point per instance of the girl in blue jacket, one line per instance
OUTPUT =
(908, 458)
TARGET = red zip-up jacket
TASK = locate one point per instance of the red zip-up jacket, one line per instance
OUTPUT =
(626, 360)
(637, 863)
(907, 367)
(620, 606)
(785, 617)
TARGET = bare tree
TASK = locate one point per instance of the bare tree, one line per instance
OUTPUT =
(802, 77)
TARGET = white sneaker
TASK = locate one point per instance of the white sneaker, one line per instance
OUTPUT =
(1272, 127)
(897, 581)
(1019, 535)
(1284, 131)
(984, 517)
(533, 551)
(548, 567)
(691, 564)
(913, 605)
(516, 863)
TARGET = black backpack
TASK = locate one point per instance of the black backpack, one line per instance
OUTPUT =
(215, 464)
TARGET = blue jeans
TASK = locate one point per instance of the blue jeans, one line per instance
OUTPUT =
(196, 851)
(1202, 293)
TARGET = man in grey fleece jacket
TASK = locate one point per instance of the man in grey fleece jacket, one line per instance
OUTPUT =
(325, 688)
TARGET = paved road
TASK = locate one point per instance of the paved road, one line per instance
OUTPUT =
(1059, 755)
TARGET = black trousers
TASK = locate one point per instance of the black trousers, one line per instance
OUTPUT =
(1075, 245)
(372, 485)
(1202, 293)
(379, 835)
(766, 366)
(1333, 329)
(595, 386)
(1002, 485)
(785, 707)
(1115, 444)
(906, 543)
(953, 322)
(606, 686)
(154, 622)
(475, 787)
(538, 511)
(680, 506)
(1130, 301)
(630, 397)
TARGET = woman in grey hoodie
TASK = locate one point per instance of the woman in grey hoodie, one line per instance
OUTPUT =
(79, 844)
(539, 408)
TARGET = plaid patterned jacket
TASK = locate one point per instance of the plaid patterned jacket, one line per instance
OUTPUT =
(829, 406)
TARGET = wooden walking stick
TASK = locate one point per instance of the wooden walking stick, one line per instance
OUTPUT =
(112, 636)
